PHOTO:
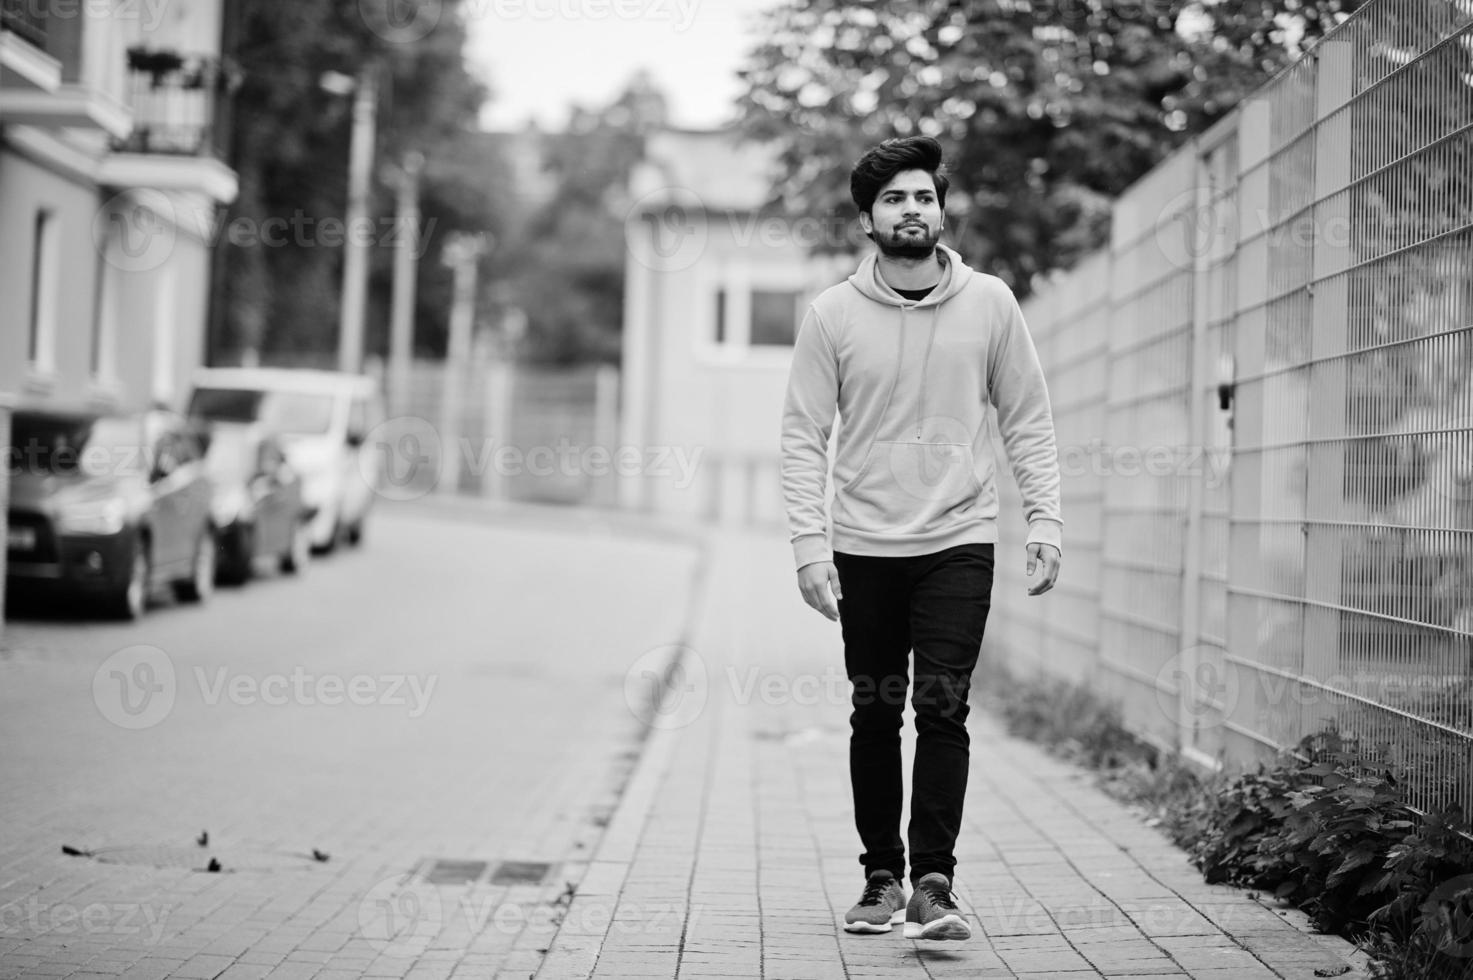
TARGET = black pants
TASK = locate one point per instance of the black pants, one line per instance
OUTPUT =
(937, 605)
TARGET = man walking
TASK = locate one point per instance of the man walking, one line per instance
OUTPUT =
(909, 352)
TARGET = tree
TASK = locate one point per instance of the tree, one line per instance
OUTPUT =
(1050, 110)
(566, 267)
(291, 140)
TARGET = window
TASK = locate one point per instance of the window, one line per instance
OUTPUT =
(41, 350)
(774, 317)
(750, 314)
(294, 412)
(103, 362)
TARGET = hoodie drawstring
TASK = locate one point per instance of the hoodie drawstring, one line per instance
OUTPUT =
(926, 360)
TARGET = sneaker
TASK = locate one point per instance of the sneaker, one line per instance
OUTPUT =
(881, 905)
(932, 914)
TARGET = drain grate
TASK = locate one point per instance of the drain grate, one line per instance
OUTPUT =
(452, 872)
(463, 871)
(520, 873)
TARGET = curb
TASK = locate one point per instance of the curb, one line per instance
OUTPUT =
(573, 951)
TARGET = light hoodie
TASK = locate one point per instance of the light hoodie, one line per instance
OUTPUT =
(914, 468)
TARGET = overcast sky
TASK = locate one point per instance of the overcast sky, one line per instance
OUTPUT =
(540, 56)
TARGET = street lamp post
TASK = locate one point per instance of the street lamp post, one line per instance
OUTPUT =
(356, 243)
(461, 253)
(401, 320)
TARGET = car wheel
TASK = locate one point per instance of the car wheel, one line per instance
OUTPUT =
(295, 560)
(355, 533)
(333, 539)
(131, 601)
(236, 549)
(201, 581)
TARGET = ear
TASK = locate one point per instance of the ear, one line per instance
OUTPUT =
(867, 222)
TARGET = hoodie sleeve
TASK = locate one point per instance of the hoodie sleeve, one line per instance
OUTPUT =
(1025, 420)
(808, 418)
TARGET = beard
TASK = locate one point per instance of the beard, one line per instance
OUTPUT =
(900, 244)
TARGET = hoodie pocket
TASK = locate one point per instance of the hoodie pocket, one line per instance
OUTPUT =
(909, 487)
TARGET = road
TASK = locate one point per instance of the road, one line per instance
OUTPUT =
(456, 689)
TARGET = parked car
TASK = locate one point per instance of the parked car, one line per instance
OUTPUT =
(324, 419)
(108, 507)
(257, 509)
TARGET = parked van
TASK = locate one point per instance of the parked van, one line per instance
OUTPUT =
(323, 419)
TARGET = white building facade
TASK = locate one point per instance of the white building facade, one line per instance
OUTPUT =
(716, 284)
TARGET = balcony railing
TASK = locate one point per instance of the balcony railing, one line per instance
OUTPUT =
(26, 18)
(181, 104)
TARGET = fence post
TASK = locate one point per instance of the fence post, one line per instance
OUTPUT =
(1192, 664)
(606, 429)
(5, 407)
(1324, 536)
(497, 407)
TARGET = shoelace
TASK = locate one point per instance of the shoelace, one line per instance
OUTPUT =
(941, 898)
(874, 890)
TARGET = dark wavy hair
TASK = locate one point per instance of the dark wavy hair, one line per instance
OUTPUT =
(880, 164)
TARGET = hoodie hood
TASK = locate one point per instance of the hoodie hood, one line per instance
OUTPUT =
(954, 277)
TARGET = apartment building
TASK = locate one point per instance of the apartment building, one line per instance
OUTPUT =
(112, 170)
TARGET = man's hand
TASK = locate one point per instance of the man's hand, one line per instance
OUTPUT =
(815, 581)
(1049, 555)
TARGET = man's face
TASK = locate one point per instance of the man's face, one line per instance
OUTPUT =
(906, 219)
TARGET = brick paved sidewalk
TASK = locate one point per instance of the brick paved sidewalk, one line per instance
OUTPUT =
(733, 853)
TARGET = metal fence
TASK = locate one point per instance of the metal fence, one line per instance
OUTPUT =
(519, 432)
(1263, 390)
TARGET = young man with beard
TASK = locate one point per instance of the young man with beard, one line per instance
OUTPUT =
(910, 351)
